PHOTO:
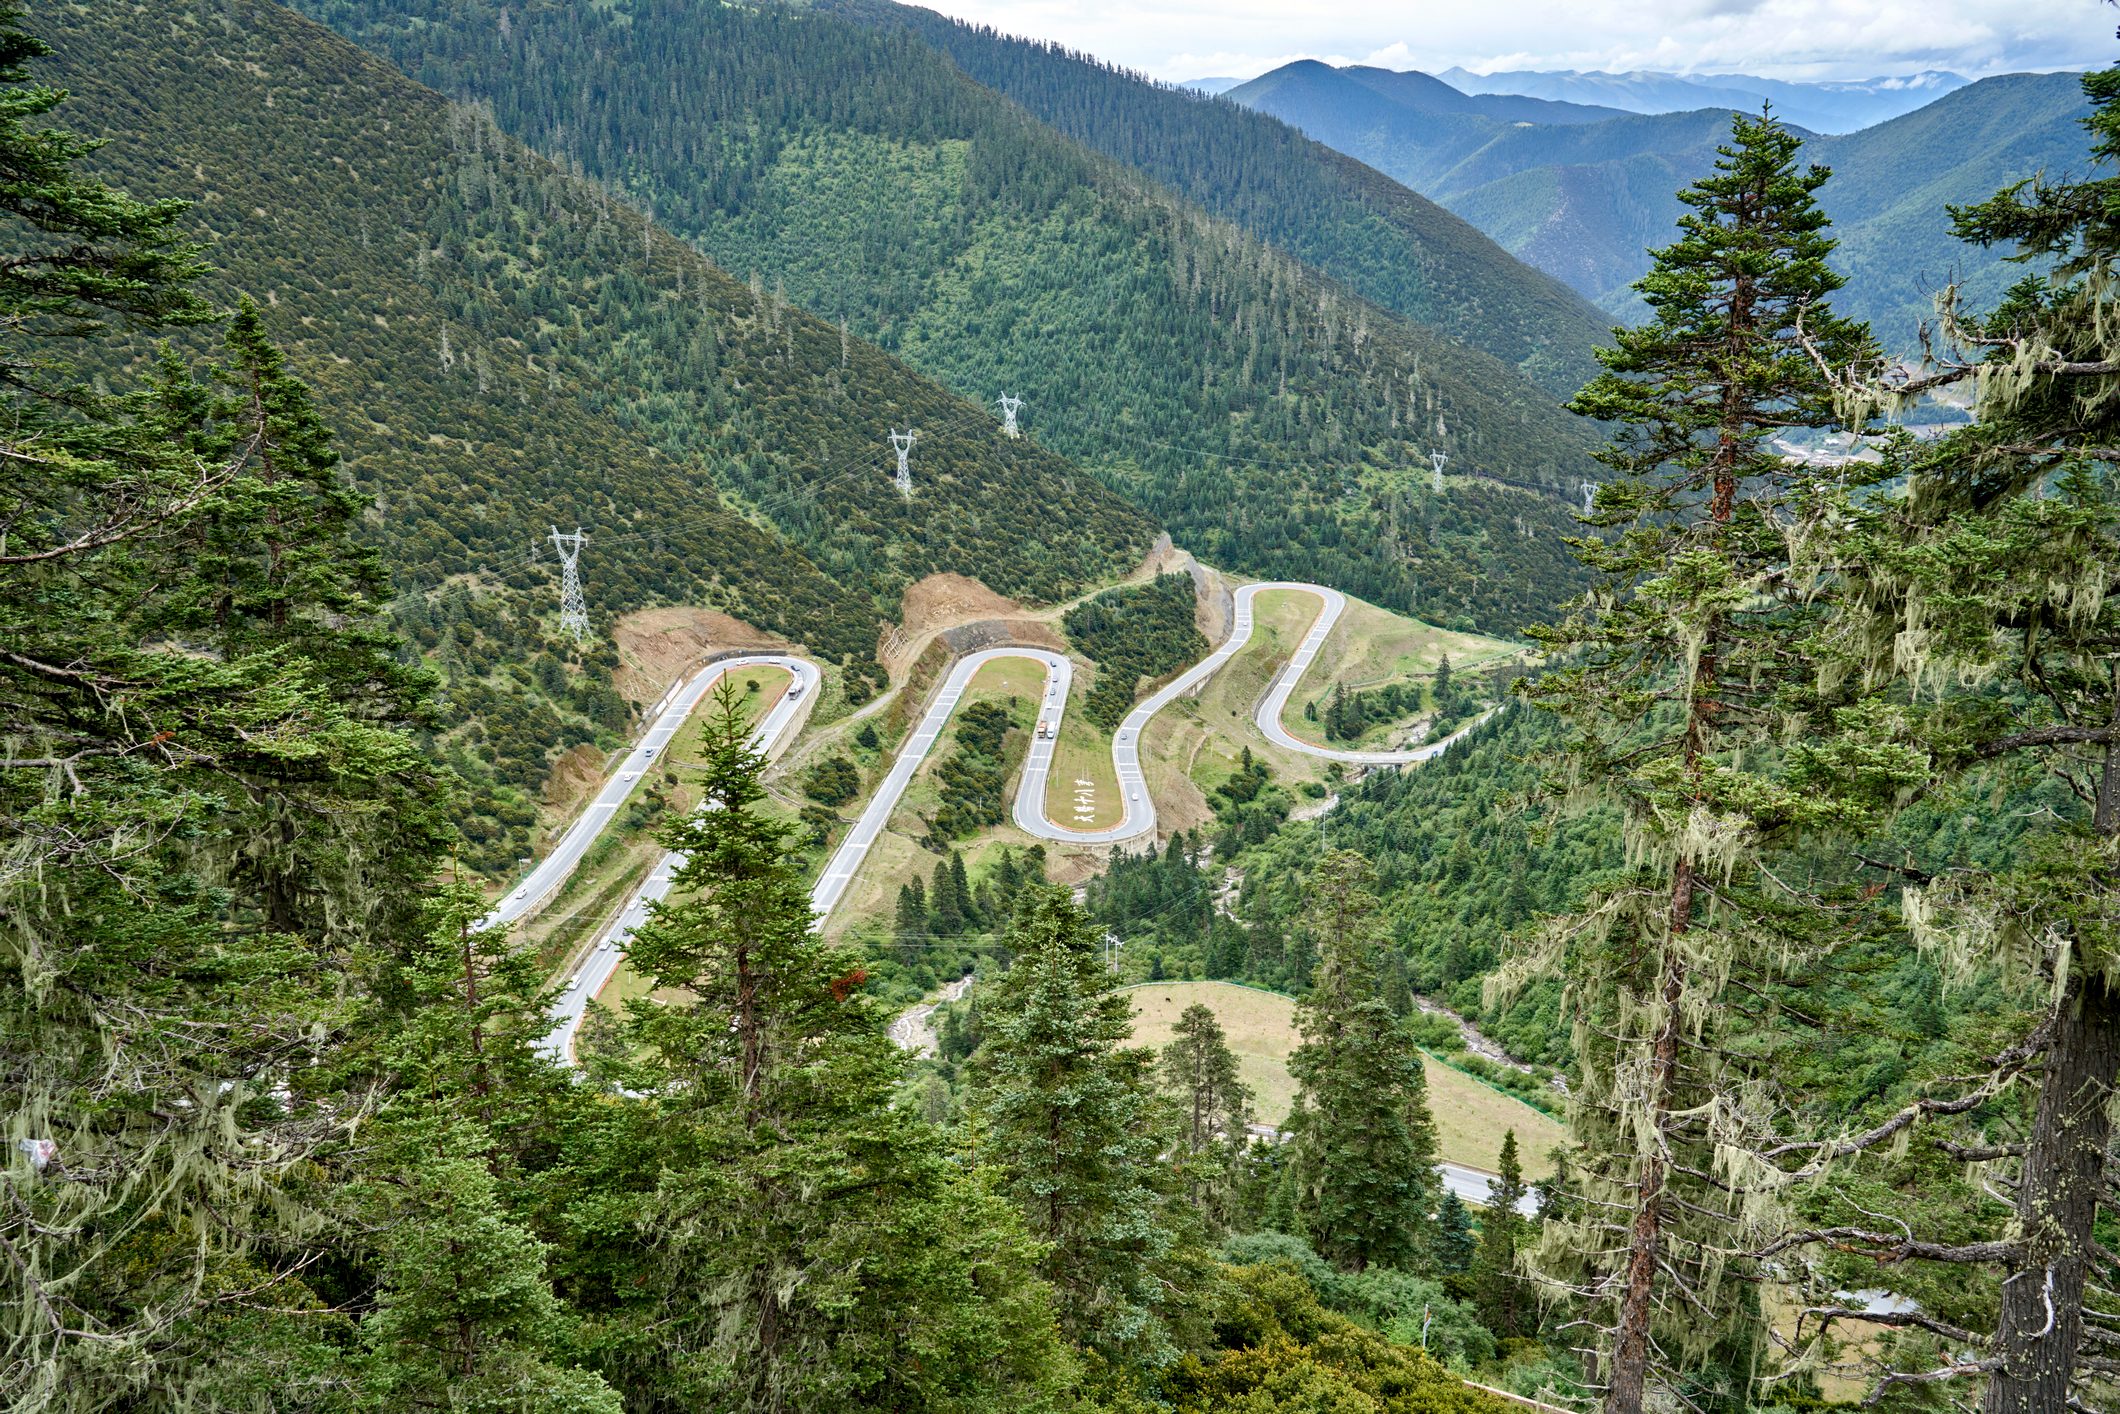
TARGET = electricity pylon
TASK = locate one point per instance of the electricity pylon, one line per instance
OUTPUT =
(902, 444)
(1589, 497)
(1439, 458)
(1009, 405)
(573, 611)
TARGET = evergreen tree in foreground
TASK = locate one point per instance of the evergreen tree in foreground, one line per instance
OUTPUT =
(1361, 1169)
(1454, 1240)
(1071, 1120)
(1678, 672)
(812, 1247)
(465, 1314)
(1215, 1106)
(1992, 558)
(1200, 1067)
(1506, 1304)
(206, 834)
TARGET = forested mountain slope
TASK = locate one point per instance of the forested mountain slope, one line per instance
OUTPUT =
(502, 346)
(1263, 412)
(1584, 201)
(1385, 242)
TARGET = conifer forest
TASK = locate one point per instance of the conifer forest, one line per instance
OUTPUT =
(797, 706)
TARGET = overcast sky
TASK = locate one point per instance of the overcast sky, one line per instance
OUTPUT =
(1798, 39)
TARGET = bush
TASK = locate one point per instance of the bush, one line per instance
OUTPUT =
(832, 781)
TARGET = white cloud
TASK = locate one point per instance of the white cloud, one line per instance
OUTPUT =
(1181, 39)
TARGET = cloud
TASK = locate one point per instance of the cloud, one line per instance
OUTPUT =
(1801, 39)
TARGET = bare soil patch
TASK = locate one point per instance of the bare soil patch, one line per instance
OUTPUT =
(941, 600)
(656, 646)
(575, 777)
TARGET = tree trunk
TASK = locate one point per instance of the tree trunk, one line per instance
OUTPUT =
(2040, 1326)
(1637, 1305)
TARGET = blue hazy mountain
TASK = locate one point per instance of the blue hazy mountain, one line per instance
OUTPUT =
(1823, 107)
(1583, 197)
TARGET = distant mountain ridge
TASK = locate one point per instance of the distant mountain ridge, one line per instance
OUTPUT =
(1585, 201)
(1824, 107)
(1386, 242)
(1269, 415)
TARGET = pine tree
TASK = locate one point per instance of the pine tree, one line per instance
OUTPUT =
(1992, 557)
(172, 1004)
(1215, 1107)
(1361, 1170)
(1505, 1302)
(910, 923)
(961, 891)
(1071, 1121)
(949, 912)
(1454, 1243)
(464, 1312)
(1673, 668)
(1200, 1067)
(813, 1247)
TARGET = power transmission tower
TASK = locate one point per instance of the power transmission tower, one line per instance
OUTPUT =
(1010, 406)
(1589, 496)
(573, 611)
(902, 444)
(1439, 458)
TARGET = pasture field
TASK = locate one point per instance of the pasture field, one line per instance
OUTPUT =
(1470, 1118)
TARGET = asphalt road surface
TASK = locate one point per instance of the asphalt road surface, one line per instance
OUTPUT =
(595, 971)
(1138, 807)
(1276, 700)
(667, 718)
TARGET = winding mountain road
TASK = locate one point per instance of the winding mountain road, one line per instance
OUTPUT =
(1138, 807)
(667, 718)
(1275, 702)
(594, 972)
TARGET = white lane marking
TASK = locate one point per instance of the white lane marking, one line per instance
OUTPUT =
(597, 969)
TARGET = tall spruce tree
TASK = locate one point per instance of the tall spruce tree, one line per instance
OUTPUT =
(814, 1248)
(1991, 558)
(1454, 1243)
(949, 909)
(1215, 1106)
(1673, 674)
(464, 1313)
(170, 1004)
(1361, 1170)
(1070, 1118)
(1199, 1066)
(1505, 1302)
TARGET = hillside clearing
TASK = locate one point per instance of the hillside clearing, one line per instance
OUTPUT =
(1470, 1117)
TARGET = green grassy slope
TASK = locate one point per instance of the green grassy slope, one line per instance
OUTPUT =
(502, 346)
(1383, 241)
(1264, 413)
